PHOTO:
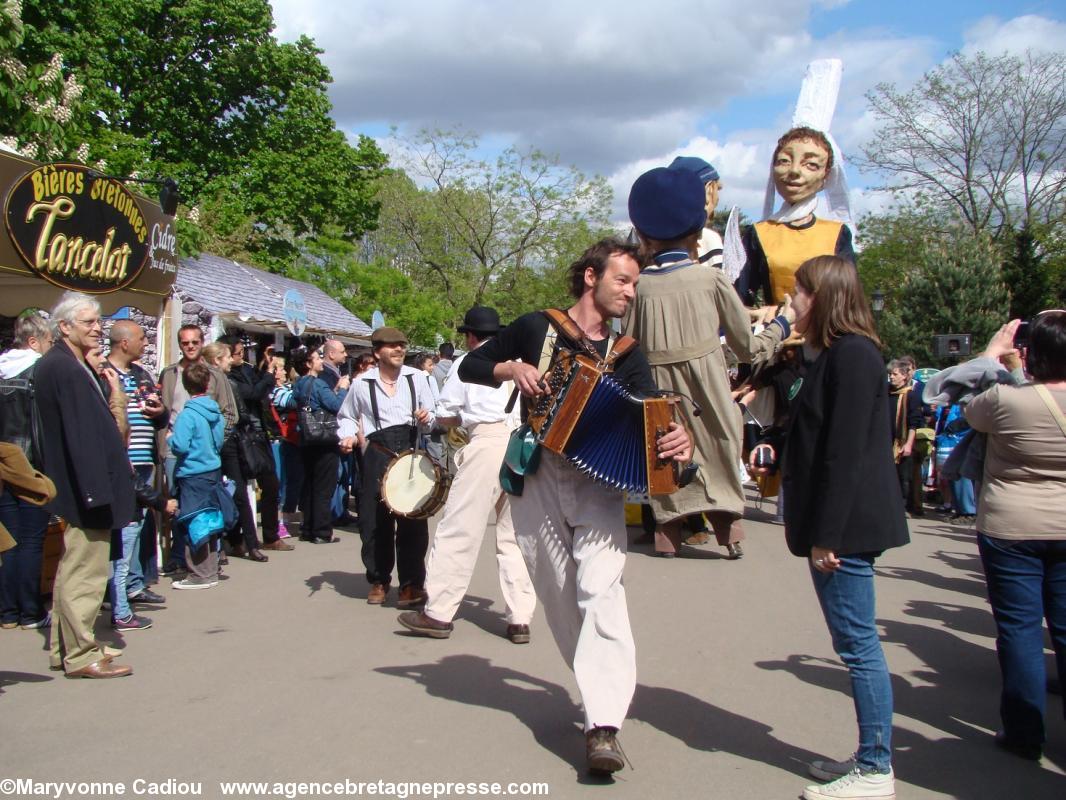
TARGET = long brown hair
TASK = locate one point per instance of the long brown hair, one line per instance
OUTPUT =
(838, 302)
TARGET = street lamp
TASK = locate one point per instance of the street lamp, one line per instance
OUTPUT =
(877, 303)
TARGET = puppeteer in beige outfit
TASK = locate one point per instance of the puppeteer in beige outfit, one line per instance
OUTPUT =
(680, 307)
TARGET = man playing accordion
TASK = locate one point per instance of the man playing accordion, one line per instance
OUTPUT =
(571, 529)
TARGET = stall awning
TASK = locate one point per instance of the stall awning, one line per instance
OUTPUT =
(252, 299)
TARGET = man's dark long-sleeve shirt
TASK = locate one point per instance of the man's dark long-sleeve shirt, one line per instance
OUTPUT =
(523, 339)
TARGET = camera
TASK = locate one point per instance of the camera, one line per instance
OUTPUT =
(146, 390)
(763, 456)
(952, 345)
(1021, 336)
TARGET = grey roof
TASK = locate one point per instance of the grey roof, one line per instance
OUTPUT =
(223, 286)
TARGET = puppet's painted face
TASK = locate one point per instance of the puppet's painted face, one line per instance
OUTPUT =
(800, 170)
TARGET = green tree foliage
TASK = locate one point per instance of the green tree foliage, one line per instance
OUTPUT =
(955, 287)
(329, 263)
(1026, 275)
(37, 100)
(201, 91)
(474, 231)
(892, 246)
(982, 136)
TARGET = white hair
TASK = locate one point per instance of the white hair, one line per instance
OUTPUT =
(30, 324)
(67, 307)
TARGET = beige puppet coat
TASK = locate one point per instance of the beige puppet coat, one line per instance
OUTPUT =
(678, 312)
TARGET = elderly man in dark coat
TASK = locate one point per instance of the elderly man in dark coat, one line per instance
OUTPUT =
(85, 455)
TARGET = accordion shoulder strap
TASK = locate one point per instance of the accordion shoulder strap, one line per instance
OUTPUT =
(617, 347)
(620, 346)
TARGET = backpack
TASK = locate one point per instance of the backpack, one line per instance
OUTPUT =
(20, 421)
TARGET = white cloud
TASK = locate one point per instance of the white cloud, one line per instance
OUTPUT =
(607, 85)
(995, 37)
(587, 79)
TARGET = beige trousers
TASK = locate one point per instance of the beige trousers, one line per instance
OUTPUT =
(475, 494)
(572, 533)
(81, 581)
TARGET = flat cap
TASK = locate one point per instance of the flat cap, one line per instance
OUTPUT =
(388, 336)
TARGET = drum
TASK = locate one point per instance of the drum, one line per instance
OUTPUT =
(413, 486)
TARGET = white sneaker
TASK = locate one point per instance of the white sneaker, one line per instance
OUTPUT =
(855, 786)
(830, 770)
(193, 583)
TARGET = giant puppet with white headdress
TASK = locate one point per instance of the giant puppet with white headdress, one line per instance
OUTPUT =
(809, 222)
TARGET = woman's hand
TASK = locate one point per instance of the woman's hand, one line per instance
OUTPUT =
(1002, 341)
(764, 469)
(787, 311)
(824, 560)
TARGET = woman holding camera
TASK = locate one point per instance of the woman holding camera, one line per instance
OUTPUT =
(1021, 522)
(843, 507)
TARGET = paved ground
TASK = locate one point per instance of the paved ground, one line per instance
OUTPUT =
(284, 673)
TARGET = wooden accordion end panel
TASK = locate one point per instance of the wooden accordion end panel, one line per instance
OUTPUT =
(603, 429)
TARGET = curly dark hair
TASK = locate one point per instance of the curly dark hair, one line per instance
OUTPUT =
(596, 257)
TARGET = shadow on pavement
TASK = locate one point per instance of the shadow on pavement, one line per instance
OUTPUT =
(13, 678)
(964, 619)
(974, 588)
(543, 707)
(703, 726)
(346, 584)
(478, 611)
(958, 702)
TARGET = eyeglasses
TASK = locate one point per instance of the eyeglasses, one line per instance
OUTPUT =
(89, 323)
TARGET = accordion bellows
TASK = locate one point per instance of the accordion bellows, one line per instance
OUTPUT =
(603, 429)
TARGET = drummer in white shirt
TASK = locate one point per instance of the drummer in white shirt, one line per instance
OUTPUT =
(392, 404)
(475, 497)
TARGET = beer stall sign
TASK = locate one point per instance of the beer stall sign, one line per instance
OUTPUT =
(78, 229)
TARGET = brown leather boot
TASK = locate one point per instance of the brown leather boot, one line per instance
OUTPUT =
(377, 593)
(602, 752)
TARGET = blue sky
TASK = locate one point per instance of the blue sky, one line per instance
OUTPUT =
(615, 87)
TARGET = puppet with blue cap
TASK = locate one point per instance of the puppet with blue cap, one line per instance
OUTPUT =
(679, 311)
(709, 247)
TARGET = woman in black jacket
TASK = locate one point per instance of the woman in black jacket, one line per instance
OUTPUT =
(843, 506)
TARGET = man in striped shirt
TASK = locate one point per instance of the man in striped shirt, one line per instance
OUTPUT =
(146, 415)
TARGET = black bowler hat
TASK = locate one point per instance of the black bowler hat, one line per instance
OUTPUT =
(668, 204)
(480, 319)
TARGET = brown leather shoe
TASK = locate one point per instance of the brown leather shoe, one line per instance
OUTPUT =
(418, 622)
(104, 668)
(377, 593)
(518, 634)
(411, 597)
(280, 544)
(602, 752)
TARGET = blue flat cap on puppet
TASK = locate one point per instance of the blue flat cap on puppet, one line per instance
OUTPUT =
(667, 204)
(704, 171)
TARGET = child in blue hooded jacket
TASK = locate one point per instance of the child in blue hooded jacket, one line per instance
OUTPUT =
(196, 442)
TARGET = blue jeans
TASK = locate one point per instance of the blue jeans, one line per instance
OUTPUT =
(123, 582)
(1026, 585)
(20, 572)
(177, 532)
(962, 494)
(847, 600)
